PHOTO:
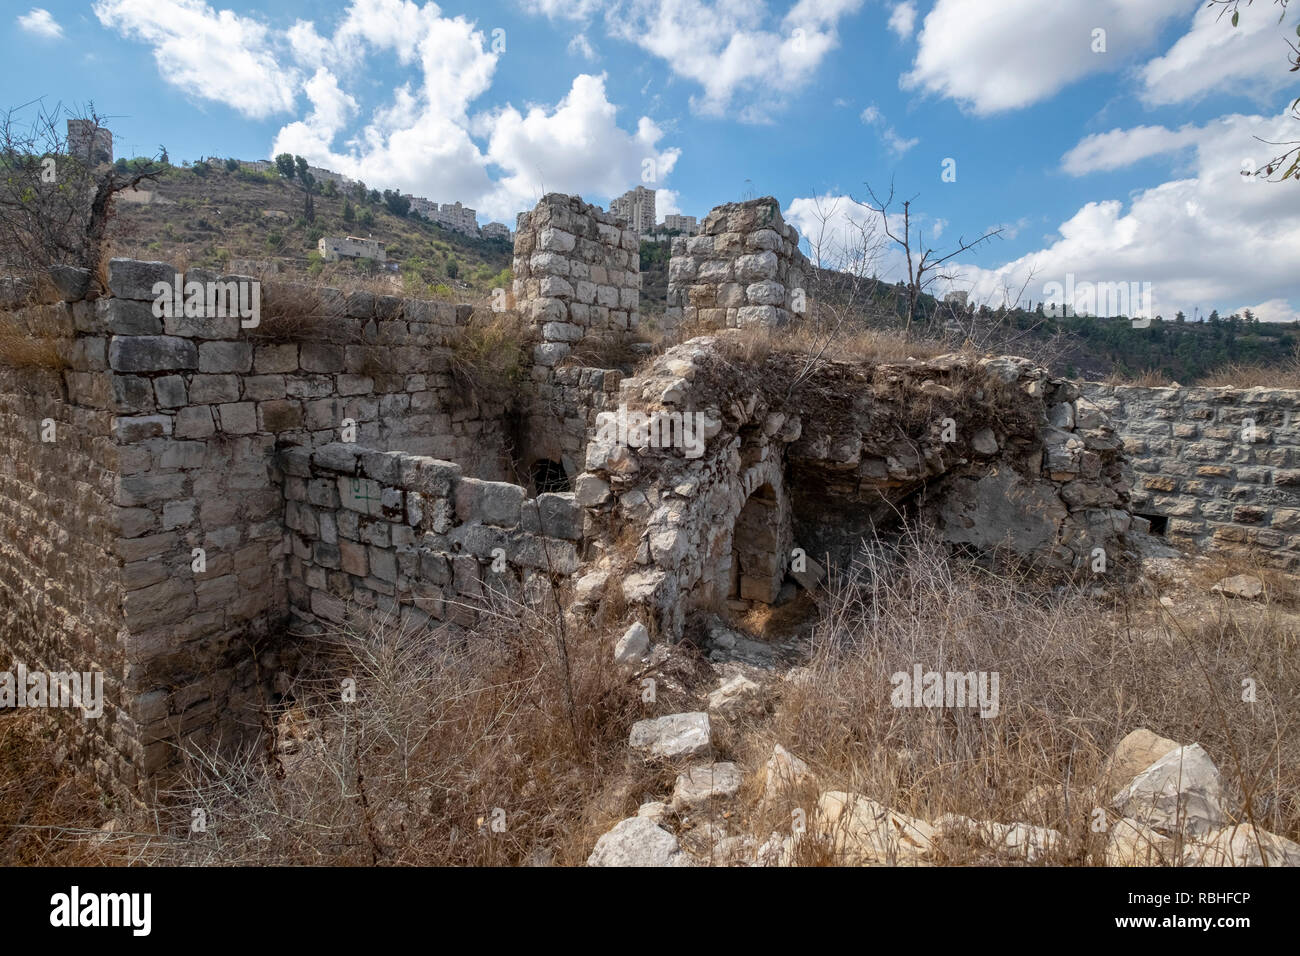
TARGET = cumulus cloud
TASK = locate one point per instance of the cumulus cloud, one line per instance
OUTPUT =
(746, 62)
(903, 19)
(577, 147)
(1123, 147)
(1001, 56)
(429, 137)
(39, 22)
(667, 203)
(1210, 239)
(209, 54)
(1213, 55)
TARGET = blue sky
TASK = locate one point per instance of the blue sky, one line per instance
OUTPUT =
(1113, 156)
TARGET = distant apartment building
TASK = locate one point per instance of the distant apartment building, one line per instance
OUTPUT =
(322, 175)
(637, 207)
(421, 206)
(89, 142)
(332, 249)
(958, 299)
(496, 230)
(457, 218)
(256, 165)
(686, 225)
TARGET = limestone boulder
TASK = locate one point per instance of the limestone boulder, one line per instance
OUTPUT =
(706, 785)
(674, 736)
(865, 833)
(638, 841)
(1180, 791)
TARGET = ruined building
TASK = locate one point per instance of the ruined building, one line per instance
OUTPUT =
(184, 491)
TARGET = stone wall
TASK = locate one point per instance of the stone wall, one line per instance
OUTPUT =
(577, 275)
(743, 269)
(61, 595)
(1217, 467)
(413, 538)
(162, 503)
(577, 280)
(999, 456)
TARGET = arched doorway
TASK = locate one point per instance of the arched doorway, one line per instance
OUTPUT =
(758, 558)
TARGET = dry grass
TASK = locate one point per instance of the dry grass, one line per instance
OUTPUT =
(490, 358)
(1073, 682)
(1151, 378)
(490, 748)
(1285, 375)
(26, 342)
(47, 812)
(867, 345)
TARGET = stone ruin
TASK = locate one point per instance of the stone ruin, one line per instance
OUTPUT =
(743, 269)
(186, 492)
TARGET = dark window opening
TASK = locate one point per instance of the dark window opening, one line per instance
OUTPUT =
(549, 476)
(1158, 523)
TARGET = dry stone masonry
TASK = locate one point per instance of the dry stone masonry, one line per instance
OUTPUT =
(577, 274)
(1214, 467)
(743, 269)
(187, 491)
(1000, 455)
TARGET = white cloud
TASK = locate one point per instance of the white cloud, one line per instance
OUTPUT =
(1123, 147)
(666, 203)
(903, 19)
(747, 64)
(1249, 59)
(38, 22)
(428, 138)
(1007, 55)
(1209, 239)
(581, 46)
(896, 144)
(215, 55)
(577, 147)
(1274, 310)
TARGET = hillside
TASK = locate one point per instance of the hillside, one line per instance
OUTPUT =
(209, 215)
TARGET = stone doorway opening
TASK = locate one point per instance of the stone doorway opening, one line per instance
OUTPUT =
(549, 476)
(758, 549)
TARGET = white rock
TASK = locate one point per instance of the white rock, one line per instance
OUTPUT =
(1244, 586)
(863, 832)
(1181, 790)
(737, 697)
(1240, 846)
(783, 773)
(1132, 755)
(710, 783)
(638, 841)
(656, 810)
(1130, 843)
(677, 735)
(633, 645)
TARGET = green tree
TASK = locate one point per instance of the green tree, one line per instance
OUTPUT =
(349, 214)
(284, 163)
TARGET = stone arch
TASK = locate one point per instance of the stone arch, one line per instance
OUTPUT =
(759, 548)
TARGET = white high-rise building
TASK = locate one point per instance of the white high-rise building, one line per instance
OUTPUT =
(637, 207)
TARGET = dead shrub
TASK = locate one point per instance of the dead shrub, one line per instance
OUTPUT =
(1072, 683)
(27, 342)
(461, 748)
(491, 356)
